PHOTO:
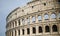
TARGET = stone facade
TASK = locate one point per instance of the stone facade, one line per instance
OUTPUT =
(37, 18)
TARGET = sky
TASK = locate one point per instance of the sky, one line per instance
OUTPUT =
(6, 6)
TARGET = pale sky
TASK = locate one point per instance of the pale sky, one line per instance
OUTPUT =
(6, 6)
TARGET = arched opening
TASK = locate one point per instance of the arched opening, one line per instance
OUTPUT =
(47, 29)
(15, 23)
(46, 16)
(40, 29)
(18, 32)
(34, 30)
(54, 28)
(15, 32)
(28, 31)
(39, 18)
(19, 21)
(22, 31)
(28, 20)
(33, 19)
(23, 21)
(53, 16)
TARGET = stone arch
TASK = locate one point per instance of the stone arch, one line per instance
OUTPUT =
(54, 28)
(23, 31)
(40, 29)
(46, 16)
(53, 15)
(39, 17)
(28, 31)
(34, 30)
(47, 29)
(15, 32)
(33, 18)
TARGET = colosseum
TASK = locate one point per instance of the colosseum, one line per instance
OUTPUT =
(37, 18)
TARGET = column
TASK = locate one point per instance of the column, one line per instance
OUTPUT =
(30, 19)
(21, 21)
(37, 30)
(36, 18)
(9, 33)
(42, 17)
(50, 28)
(20, 32)
(13, 32)
(25, 21)
(43, 28)
(59, 28)
(30, 31)
(25, 31)
(17, 32)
